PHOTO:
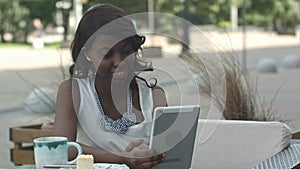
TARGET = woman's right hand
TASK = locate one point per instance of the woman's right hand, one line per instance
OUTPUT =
(138, 155)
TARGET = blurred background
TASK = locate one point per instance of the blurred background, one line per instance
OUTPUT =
(22, 19)
(35, 37)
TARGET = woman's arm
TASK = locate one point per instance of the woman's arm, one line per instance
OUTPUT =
(65, 123)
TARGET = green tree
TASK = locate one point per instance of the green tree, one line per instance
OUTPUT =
(45, 11)
(197, 10)
(129, 6)
(281, 15)
(13, 18)
(41, 9)
(285, 17)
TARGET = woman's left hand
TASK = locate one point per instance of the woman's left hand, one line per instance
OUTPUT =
(139, 144)
(139, 156)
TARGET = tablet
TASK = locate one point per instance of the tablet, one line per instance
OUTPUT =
(173, 132)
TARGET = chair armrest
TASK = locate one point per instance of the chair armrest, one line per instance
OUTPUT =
(238, 144)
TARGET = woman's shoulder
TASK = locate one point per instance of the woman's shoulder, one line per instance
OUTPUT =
(69, 89)
(68, 84)
(158, 88)
(159, 96)
(65, 84)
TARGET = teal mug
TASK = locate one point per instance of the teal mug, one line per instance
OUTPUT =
(53, 150)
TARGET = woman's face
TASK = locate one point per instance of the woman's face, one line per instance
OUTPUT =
(113, 63)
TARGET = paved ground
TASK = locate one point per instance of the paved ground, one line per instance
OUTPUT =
(39, 67)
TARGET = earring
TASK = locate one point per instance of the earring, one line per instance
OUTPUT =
(83, 49)
(87, 58)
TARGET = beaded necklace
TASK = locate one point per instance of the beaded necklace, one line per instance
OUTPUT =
(120, 125)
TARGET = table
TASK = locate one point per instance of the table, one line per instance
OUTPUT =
(288, 158)
(97, 165)
(24, 167)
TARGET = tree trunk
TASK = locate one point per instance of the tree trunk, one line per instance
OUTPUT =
(66, 15)
(185, 41)
(2, 36)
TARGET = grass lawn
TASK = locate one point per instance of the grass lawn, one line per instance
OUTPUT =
(23, 45)
(14, 45)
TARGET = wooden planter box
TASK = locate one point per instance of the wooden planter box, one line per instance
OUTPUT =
(296, 135)
(23, 136)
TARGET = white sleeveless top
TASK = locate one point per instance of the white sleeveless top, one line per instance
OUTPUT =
(89, 131)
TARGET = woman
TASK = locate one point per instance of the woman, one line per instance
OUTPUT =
(106, 106)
